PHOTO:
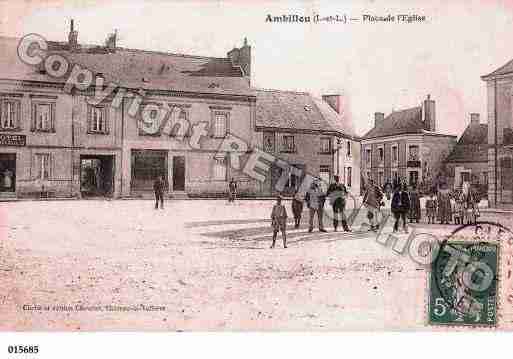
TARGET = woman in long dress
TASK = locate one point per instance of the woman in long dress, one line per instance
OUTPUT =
(414, 212)
(444, 206)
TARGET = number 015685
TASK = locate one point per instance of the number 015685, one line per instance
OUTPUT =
(23, 349)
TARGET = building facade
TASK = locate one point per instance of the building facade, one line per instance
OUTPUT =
(405, 146)
(311, 135)
(468, 161)
(55, 142)
(145, 114)
(499, 84)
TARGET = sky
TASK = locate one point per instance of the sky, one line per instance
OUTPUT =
(376, 67)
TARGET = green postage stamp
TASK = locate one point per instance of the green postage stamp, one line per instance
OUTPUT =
(463, 284)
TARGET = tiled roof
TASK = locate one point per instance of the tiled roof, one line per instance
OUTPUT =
(503, 70)
(407, 121)
(299, 111)
(472, 145)
(137, 69)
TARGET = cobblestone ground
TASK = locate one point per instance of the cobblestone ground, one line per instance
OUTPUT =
(197, 265)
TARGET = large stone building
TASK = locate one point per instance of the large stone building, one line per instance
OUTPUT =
(56, 142)
(309, 133)
(468, 161)
(499, 84)
(405, 146)
(56, 139)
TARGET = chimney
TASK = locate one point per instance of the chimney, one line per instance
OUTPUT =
(242, 57)
(474, 119)
(110, 43)
(379, 117)
(335, 102)
(72, 37)
(429, 114)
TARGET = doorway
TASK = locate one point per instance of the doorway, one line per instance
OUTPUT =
(7, 172)
(414, 178)
(96, 175)
(147, 166)
(178, 173)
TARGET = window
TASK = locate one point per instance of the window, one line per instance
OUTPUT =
(181, 127)
(292, 180)
(220, 169)
(395, 155)
(325, 145)
(485, 178)
(43, 166)
(349, 149)
(324, 174)
(269, 141)
(349, 176)
(288, 144)
(381, 154)
(43, 117)
(220, 125)
(9, 114)
(381, 179)
(414, 153)
(368, 156)
(97, 119)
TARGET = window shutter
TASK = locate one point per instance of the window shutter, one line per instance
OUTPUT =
(212, 123)
(52, 117)
(33, 119)
(18, 115)
(89, 118)
(106, 110)
(227, 124)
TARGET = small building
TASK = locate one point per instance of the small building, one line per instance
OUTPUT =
(468, 161)
(405, 145)
(310, 134)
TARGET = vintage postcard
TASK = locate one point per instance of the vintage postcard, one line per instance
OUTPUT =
(255, 166)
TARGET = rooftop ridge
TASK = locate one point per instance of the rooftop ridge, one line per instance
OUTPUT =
(284, 91)
(126, 49)
(406, 109)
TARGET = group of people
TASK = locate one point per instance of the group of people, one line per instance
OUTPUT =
(442, 205)
(315, 199)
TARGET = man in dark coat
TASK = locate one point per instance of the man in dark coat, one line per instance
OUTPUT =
(232, 190)
(158, 188)
(315, 201)
(297, 208)
(337, 194)
(372, 200)
(400, 206)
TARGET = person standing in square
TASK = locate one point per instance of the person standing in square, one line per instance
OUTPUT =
(297, 208)
(279, 221)
(315, 201)
(158, 188)
(232, 190)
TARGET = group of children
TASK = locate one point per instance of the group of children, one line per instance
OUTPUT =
(456, 207)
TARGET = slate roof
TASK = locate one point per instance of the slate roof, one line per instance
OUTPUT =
(408, 121)
(136, 69)
(298, 111)
(472, 145)
(503, 70)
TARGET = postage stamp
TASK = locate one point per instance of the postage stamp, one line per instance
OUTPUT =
(464, 277)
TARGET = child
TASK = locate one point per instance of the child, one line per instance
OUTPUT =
(279, 221)
(458, 212)
(297, 208)
(431, 208)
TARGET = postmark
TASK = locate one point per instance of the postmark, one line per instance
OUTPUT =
(464, 277)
